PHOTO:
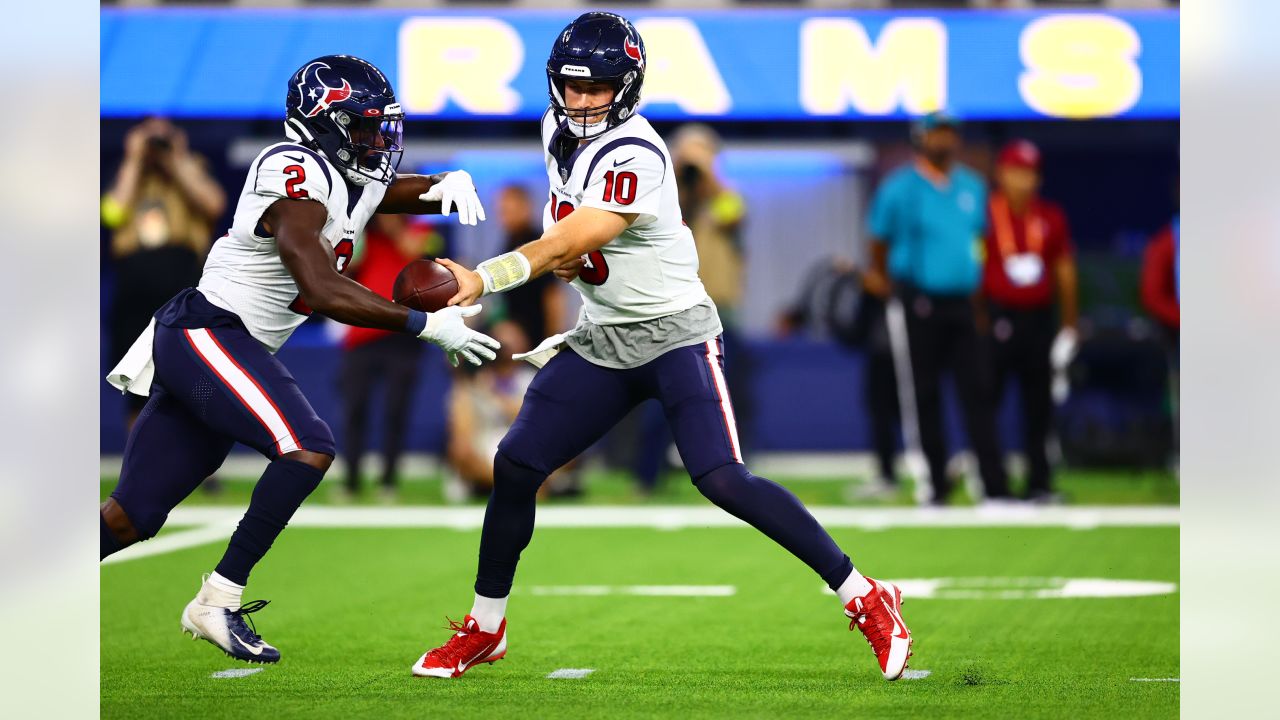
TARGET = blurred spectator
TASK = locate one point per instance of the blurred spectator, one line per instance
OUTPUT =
(538, 306)
(482, 405)
(1162, 297)
(926, 226)
(160, 209)
(715, 213)
(372, 356)
(1161, 279)
(1028, 258)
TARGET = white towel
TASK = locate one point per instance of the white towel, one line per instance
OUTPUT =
(135, 370)
(542, 354)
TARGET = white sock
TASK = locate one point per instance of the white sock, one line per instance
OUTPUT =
(854, 586)
(489, 612)
(221, 592)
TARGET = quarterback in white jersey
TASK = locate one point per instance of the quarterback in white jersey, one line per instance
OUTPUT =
(625, 170)
(648, 331)
(207, 360)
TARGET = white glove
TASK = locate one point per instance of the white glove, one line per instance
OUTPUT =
(1065, 347)
(446, 329)
(457, 190)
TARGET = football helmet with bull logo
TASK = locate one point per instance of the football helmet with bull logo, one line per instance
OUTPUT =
(598, 46)
(345, 108)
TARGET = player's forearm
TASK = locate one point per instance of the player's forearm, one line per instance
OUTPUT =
(351, 303)
(405, 195)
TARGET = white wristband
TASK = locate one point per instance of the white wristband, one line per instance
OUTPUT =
(504, 272)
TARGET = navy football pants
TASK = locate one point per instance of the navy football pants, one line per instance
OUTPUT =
(572, 403)
(213, 386)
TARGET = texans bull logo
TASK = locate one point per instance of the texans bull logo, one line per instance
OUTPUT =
(321, 94)
(633, 51)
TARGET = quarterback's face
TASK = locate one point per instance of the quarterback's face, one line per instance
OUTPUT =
(590, 99)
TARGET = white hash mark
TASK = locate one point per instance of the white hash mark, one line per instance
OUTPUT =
(570, 673)
(916, 674)
(236, 672)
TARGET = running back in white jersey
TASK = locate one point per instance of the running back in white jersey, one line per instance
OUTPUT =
(651, 269)
(244, 274)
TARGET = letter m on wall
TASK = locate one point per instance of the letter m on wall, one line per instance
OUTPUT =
(841, 69)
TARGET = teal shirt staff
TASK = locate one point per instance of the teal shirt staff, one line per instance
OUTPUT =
(932, 227)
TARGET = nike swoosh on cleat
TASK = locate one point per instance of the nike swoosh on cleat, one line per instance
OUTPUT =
(462, 666)
(899, 629)
(254, 650)
(624, 162)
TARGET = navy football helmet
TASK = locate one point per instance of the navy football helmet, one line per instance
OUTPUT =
(344, 107)
(598, 46)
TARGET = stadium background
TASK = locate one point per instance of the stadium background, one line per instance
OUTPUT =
(810, 126)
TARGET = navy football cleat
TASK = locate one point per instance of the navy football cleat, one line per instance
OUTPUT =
(228, 629)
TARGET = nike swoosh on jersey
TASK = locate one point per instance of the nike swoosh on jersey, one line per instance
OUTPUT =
(624, 162)
(295, 159)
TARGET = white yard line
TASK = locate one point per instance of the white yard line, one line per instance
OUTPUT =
(212, 531)
(642, 590)
(916, 674)
(1155, 679)
(236, 673)
(216, 523)
(570, 673)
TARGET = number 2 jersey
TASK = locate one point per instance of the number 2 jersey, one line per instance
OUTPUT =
(651, 269)
(243, 272)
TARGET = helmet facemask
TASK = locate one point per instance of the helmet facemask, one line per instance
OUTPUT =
(373, 146)
(576, 119)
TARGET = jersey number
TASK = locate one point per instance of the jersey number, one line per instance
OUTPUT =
(297, 177)
(341, 256)
(621, 190)
(596, 271)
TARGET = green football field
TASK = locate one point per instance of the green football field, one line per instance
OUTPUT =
(1009, 621)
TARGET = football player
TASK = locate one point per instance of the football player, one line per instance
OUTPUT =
(207, 360)
(648, 330)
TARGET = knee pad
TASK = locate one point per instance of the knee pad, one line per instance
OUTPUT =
(509, 475)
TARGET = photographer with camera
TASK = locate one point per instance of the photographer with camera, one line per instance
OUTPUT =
(160, 210)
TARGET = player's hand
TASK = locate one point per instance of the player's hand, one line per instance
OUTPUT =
(570, 270)
(470, 284)
(876, 283)
(446, 329)
(457, 190)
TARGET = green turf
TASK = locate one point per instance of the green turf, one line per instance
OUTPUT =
(352, 609)
(1079, 487)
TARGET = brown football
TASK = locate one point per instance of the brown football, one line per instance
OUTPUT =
(424, 285)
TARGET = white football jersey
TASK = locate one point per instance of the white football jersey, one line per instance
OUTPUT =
(651, 269)
(244, 274)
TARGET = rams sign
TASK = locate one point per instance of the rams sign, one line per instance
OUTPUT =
(718, 65)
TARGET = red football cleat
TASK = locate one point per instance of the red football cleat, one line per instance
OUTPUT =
(467, 648)
(878, 614)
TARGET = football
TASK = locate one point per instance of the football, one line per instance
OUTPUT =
(424, 285)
